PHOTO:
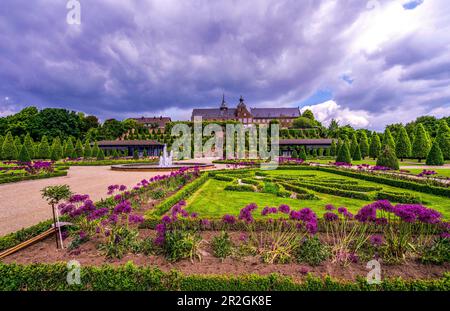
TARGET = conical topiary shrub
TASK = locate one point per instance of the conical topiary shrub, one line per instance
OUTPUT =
(24, 156)
(344, 154)
(435, 156)
(357, 154)
(387, 158)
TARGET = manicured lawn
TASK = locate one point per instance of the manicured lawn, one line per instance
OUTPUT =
(211, 200)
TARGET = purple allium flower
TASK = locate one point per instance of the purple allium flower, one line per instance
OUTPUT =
(205, 223)
(229, 219)
(285, 209)
(166, 219)
(376, 240)
(330, 216)
(122, 188)
(330, 207)
(381, 221)
(136, 219)
(194, 215)
(243, 237)
(82, 235)
(353, 258)
(342, 210)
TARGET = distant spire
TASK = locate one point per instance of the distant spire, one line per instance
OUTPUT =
(223, 106)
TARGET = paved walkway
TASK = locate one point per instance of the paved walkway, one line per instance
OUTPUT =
(21, 204)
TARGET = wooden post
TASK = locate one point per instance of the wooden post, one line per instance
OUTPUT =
(54, 225)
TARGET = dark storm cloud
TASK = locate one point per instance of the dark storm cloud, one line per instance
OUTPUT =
(129, 57)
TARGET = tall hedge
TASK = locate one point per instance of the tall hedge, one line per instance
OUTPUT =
(302, 154)
(100, 155)
(443, 137)
(2, 139)
(18, 143)
(354, 144)
(421, 144)
(29, 144)
(44, 148)
(9, 150)
(87, 150)
(388, 139)
(69, 148)
(403, 145)
(57, 151)
(333, 148)
(357, 154)
(435, 156)
(344, 154)
(387, 158)
(364, 145)
(79, 149)
(24, 156)
(95, 150)
(375, 146)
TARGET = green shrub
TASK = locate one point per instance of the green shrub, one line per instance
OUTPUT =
(52, 277)
(100, 155)
(181, 244)
(79, 149)
(222, 245)
(387, 158)
(312, 251)
(406, 198)
(435, 156)
(23, 155)
(121, 241)
(44, 148)
(9, 149)
(437, 253)
(344, 154)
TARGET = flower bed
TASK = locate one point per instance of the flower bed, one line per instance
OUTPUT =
(13, 171)
(95, 162)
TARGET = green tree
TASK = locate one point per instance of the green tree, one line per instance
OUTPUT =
(308, 114)
(344, 154)
(115, 155)
(135, 154)
(100, 155)
(302, 154)
(357, 154)
(95, 150)
(403, 145)
(29, 144)
(24, 155)
(333, 148)
(421, 144)
(2, 139)
(387, 158)
(388, 139)
(364, 145)
(79, 149)
(375, 146)
(87, 150)
(443, 138)
(435, 156)
(44, 148)
(303, 122)
(57, 152)
(18, 143)
(69, 149)
(354, 144)
(9, 150)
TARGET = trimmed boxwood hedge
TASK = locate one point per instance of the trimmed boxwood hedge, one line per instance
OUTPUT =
(53, 277)
(405, 184)
(405, 198)
(182, 194)
(335, 191)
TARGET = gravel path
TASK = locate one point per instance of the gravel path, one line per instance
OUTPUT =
(21, 204)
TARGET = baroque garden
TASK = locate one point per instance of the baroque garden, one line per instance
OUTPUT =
(344, 209)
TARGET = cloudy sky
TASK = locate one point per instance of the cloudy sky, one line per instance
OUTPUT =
(366, 63)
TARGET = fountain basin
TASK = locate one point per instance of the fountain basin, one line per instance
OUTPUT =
(142, 167)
